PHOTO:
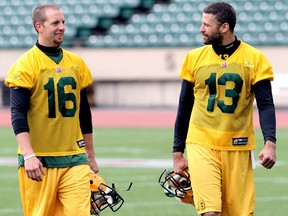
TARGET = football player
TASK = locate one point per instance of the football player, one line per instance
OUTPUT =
(214, 119)
(52, 122)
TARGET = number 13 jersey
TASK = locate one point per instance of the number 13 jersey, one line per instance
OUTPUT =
(53, 115)
(222, 115)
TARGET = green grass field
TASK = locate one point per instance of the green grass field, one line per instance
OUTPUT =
(146, 197)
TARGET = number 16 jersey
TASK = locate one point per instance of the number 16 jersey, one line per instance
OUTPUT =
(53, 115)
(222, 115)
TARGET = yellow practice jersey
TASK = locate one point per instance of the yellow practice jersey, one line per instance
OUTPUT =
(53, 115)
(222, 115)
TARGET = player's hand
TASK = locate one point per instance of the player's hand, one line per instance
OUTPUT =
(179, 163)
(34, 169)
(93, 164)
(268, 155)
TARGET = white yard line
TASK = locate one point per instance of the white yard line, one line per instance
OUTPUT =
(126, 162)
(14, 210)
(111, 162)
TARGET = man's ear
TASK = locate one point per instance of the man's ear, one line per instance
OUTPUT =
(225, 27)
(38, 27)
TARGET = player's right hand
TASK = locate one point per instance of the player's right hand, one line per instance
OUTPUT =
(34, 169)
(179, 163)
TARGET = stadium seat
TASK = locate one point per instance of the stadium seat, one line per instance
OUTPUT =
(145, 22)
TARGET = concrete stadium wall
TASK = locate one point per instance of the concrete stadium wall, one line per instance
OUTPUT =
(147, 77)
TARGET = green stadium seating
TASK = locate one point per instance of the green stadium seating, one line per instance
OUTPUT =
(143, 23)
(177, 23)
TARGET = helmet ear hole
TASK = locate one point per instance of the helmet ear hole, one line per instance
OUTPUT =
(185, 183)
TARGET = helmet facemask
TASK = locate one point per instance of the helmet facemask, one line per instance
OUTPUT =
(106, 196)
(103, 196)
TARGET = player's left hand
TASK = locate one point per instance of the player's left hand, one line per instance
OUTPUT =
(268, 155)
(93, 164)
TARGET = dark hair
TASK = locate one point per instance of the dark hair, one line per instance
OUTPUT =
(223, 12)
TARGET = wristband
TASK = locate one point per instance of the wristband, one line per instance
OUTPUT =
(29, 156)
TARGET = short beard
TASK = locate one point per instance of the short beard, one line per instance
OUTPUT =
(215, 39)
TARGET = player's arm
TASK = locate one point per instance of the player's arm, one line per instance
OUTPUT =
(85, 118)
(186, 102)
(266, 108)
(19, 101)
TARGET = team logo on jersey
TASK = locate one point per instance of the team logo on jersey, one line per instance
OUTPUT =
(81, 143)
(240, 141)
(249, 63)
(59, 69)
(224, 64)
(77, 68)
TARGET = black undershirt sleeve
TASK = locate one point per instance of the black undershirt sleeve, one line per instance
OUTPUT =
(186, 102)
(266, 109)
(19, 103)
(85, 115)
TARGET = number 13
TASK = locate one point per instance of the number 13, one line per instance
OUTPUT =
(232, 93)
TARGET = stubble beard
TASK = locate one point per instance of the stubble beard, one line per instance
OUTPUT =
(215, 39)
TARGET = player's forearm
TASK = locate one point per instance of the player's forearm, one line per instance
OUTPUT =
(89, 145)
(24, 142)
(265, 104)
(268, 124)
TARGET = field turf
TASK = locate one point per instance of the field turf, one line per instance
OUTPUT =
(139, 155)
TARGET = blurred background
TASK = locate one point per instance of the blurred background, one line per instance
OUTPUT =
(135, 48)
